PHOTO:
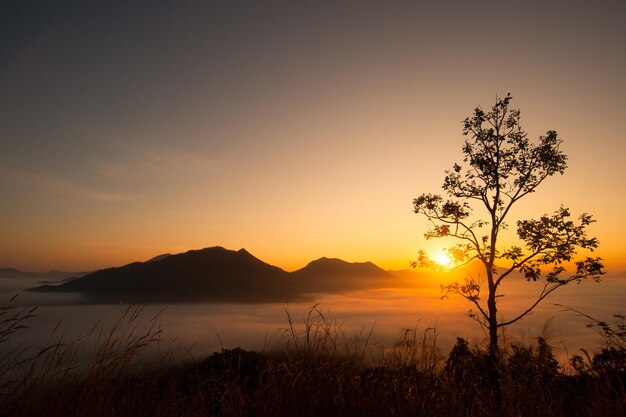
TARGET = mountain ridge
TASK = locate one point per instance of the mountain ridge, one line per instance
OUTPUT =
(53, 274)
(216, 274)
(336, 275)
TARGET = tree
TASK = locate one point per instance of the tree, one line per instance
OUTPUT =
(500, 167)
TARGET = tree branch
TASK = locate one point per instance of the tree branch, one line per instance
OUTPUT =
(547, 289)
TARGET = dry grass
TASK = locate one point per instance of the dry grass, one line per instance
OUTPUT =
(310, 368)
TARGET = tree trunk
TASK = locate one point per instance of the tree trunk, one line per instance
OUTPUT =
(494, 353)
(493, 319)
(493, 325)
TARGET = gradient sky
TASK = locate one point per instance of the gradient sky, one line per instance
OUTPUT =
(293, 129)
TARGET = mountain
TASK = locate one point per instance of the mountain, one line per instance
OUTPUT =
(334, 275)
(414, 278)
(211, 274)
(50, 275)
(10, 272)
(220, 275)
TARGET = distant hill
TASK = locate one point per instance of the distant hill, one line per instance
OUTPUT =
(10, 272)
(50, 275)
(222, 275)
(414, 278)
(211, 274)
(334, 275)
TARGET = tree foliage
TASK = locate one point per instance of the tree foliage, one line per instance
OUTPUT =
(500, 167)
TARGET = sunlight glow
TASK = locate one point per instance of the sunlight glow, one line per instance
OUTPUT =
(444, 260)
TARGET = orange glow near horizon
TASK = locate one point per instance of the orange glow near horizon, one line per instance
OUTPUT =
(294, 132)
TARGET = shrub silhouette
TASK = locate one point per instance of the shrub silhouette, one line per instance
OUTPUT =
(532, 364)
(299, 380)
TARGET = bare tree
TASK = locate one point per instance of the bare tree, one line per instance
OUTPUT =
(500, 167)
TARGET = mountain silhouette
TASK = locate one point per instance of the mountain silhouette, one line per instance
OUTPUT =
(52, 275)
(216, 274)
(211, 274)
(334, 275)
(10, 272)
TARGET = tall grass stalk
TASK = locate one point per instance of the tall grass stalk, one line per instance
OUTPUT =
(315, 368)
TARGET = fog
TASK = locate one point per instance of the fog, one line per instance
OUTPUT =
(207, 327)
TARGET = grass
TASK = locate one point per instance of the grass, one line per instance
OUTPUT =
(309, 368)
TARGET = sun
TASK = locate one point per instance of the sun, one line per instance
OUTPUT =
(443, 260)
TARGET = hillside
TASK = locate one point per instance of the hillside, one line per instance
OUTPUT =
(220, 275)
(50, 275)
(211, 274)
(334, 275)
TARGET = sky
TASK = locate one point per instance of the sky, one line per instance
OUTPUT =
(293, 129)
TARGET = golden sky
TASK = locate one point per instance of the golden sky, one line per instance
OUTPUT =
(293, 129)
